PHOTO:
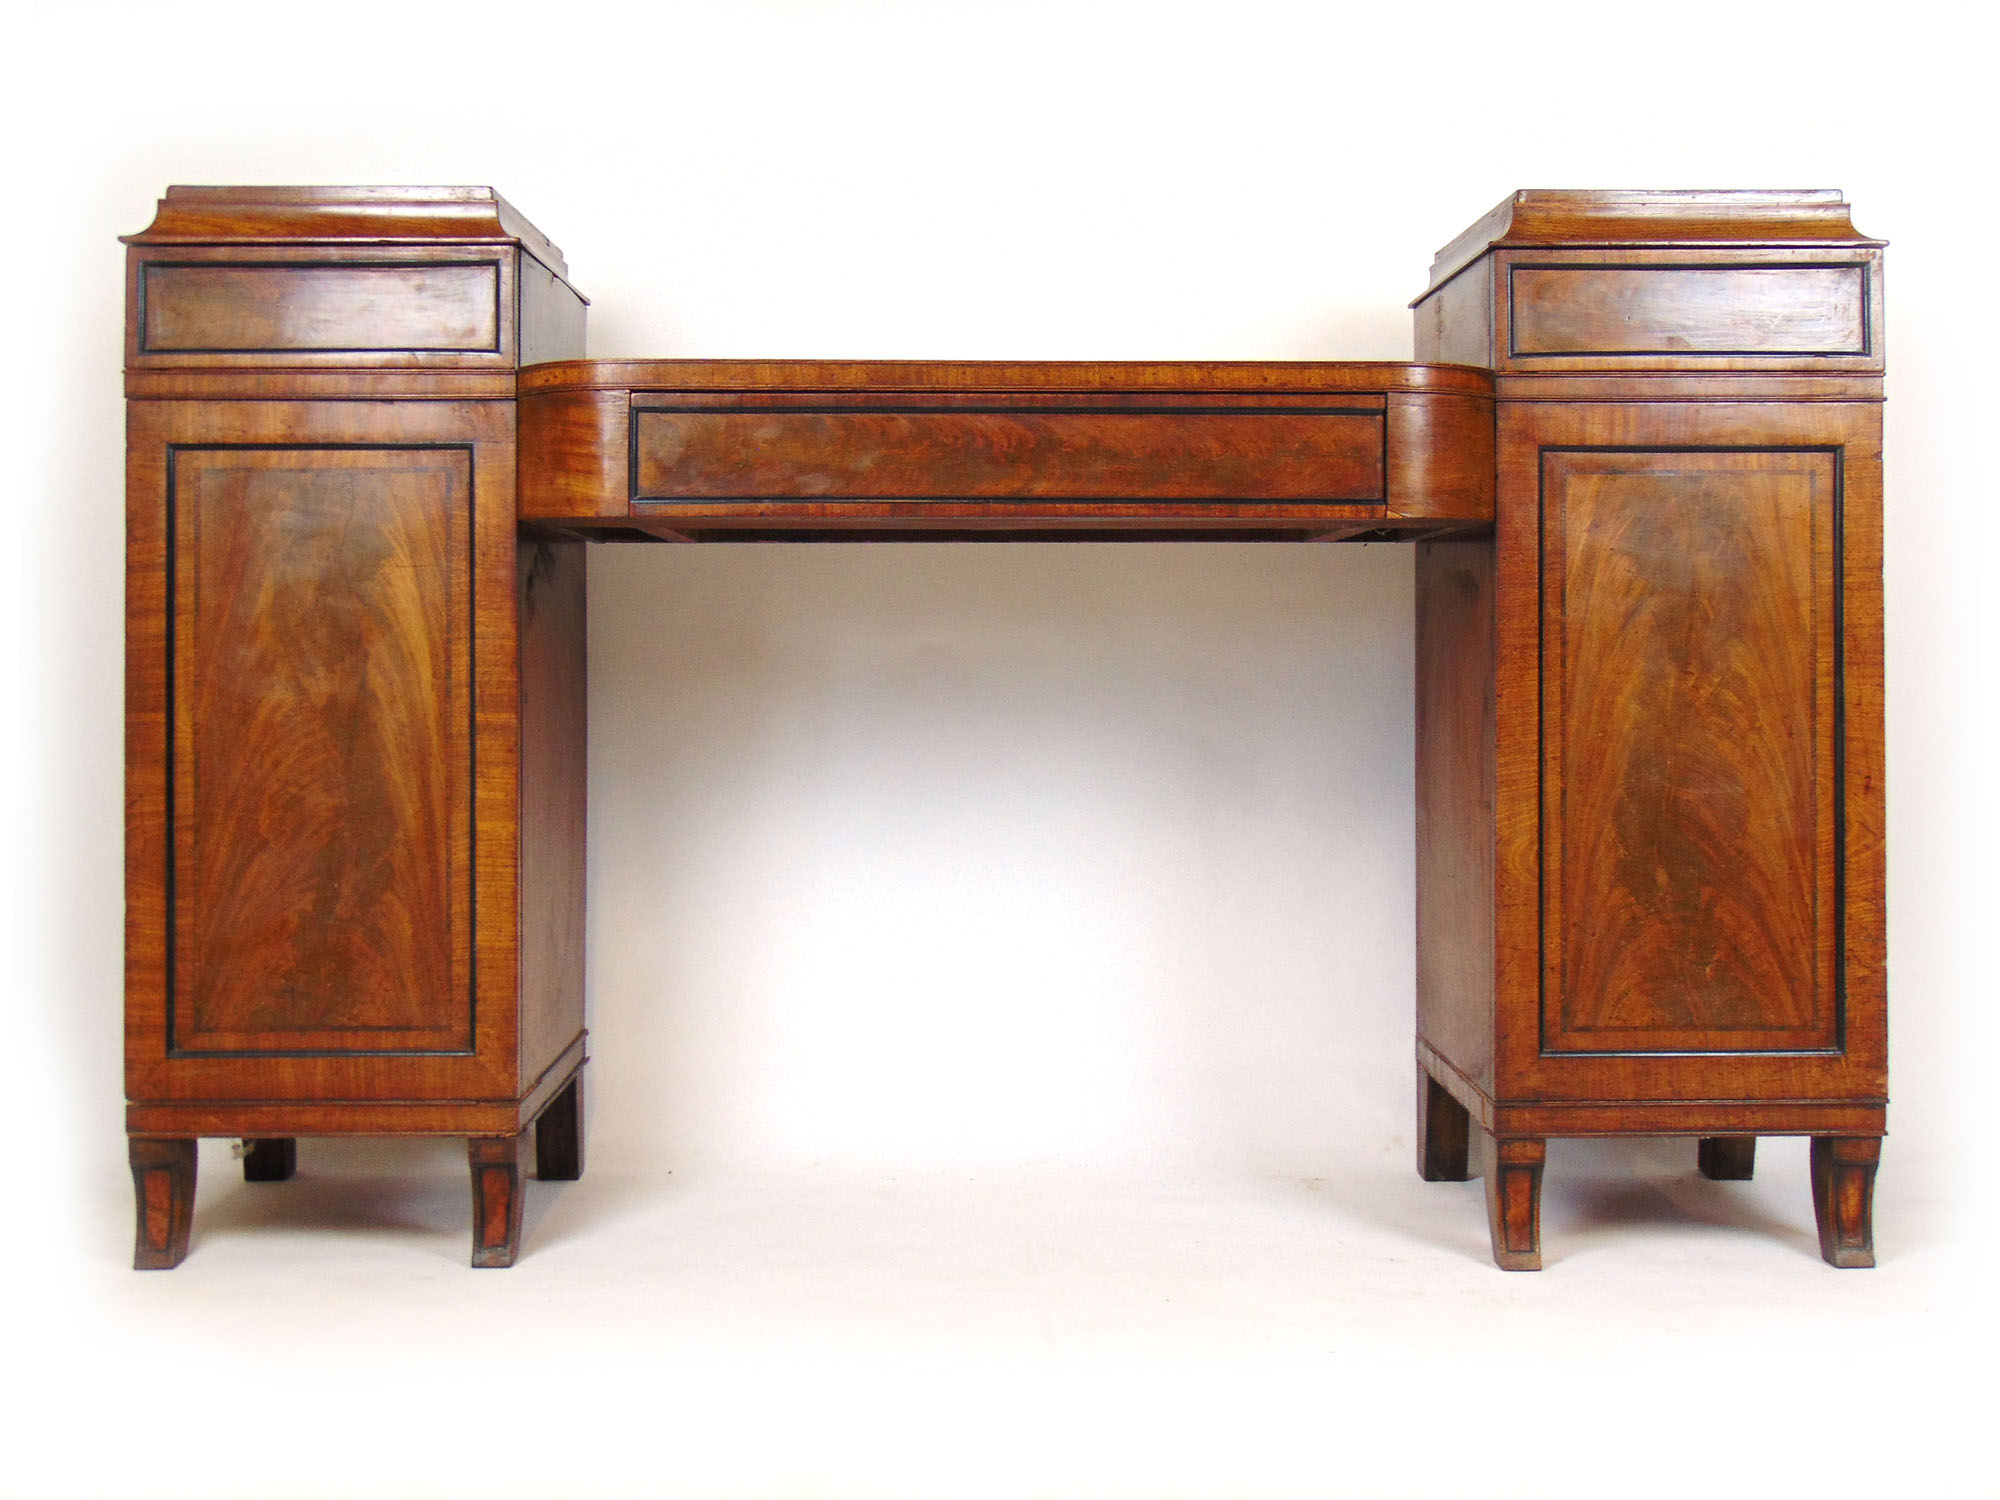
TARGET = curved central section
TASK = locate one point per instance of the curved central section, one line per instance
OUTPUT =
(714, 450)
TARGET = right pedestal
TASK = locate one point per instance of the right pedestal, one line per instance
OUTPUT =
(1649, 706)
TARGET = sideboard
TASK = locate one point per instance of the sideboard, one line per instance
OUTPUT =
(1639, 458)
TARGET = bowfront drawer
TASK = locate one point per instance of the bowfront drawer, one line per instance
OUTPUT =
(1329, 453)
(696, 450)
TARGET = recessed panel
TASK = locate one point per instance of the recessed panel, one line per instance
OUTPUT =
(1667, 310)
(1007, 454)
(1689, 751)
(321, 795)
(320, 309)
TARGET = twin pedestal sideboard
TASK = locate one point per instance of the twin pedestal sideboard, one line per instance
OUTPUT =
(1640, 461)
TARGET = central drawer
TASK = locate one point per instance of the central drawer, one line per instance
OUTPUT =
(684, 451)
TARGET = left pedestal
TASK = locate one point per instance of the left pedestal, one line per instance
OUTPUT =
(346, 678)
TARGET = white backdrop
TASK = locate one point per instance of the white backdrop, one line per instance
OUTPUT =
(971, 863)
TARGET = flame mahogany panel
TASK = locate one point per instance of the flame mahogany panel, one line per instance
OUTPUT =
(836, 452)
(321, 749)
(1688, 677)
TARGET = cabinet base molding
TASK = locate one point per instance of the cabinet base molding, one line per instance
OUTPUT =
(257, 1119)
(163, 1160)
(1576, 1118)
(1843, 1165)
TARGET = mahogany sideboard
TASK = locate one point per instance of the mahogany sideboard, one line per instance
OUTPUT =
(1639, 458)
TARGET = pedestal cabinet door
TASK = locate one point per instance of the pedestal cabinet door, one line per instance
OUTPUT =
(1690, 751)
(321, 751)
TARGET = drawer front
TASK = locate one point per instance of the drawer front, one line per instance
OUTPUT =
(1630, 313)
(211, 308)
(1322, 454)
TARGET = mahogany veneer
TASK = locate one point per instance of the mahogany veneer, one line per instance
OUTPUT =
(1649, 724)
(354, 751)
(696, 450)
(1641, 462)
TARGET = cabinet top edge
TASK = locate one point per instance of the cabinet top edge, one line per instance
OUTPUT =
(207, 215)
(1653, 216)
(1003, 376)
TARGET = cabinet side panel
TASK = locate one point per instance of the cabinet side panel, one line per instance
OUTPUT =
(553, 765)
(1455, 786)
(321, 749)
(552, 315)
(1689, 661)
(1454, 324)
(1864, 822)
(147, 608)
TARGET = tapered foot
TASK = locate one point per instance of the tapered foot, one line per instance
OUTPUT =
(496, 1198)
(559, 1135)
(1514, 1201)
(1843, 1184)
(163, 1186)
(270, 1160)
(1444, 1133)
(1727, 1158)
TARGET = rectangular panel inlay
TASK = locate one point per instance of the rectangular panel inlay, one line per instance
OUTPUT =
(988, 454)
(321, 750)
(274, 308)
(1614, 310)
(1688, 680)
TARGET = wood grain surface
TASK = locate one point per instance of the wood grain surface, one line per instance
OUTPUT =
(914, 454)
(551, 821)
(1650, 841)
(404, 216)
(1756, 219)
(1726, 1068)
(1843, 1186)
(278, 308)
(322, 756)
(790, 450)
(1117, 380)
(163, 1187)
(1689, 663)
(329, 863)
(1687, 920)
(1667, 309)
(1455, 802)
(232, 436)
